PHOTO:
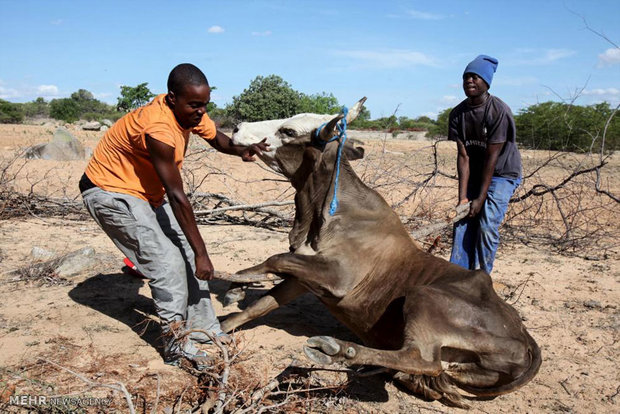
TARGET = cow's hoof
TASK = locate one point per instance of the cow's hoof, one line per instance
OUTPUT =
(326, 343)
(317, 356)
(320, 349)
(234, 296)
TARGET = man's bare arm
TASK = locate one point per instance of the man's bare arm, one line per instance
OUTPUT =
(224, 144)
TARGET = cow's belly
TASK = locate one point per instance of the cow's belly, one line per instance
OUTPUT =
(378, 326)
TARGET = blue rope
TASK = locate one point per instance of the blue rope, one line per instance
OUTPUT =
(342, 136)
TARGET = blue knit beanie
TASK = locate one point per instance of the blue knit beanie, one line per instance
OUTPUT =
(483, 66)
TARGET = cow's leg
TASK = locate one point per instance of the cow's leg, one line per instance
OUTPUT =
(325, 350)
(423, 377)
(320, 275)
(279, 295)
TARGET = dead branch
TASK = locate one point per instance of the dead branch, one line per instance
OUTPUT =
(459, 213)
(601, 35)
(197, 198)
(223, 380)
(542, 189)
(119, 386)
(235, 278)
(249, 207)
(156, 403)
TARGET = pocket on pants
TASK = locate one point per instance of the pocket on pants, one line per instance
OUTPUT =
(111, 210)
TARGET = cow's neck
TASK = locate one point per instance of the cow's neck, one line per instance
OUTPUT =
(314, 182)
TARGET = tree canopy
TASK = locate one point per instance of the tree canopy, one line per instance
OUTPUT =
(133, 97)
(560, 126)
(269, 97)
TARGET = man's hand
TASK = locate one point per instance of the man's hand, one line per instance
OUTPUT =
(204, 268)
(476, 206)
(251, 150)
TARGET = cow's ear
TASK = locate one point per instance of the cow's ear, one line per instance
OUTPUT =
(353, 153)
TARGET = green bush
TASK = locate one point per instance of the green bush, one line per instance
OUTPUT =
(10, 113)
(266, 98)
(65, 109)
(134, 97)
(220, 117)
(440, 127)
(564, 127)
(322, 103)
(422, 123)
(38, 108)
(96, 116)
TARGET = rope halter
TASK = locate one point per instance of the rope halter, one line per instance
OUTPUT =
(341, 135)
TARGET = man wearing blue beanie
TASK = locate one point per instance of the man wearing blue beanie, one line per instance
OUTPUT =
(488, 165)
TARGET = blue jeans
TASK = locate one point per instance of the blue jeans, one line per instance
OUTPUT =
(476, 239)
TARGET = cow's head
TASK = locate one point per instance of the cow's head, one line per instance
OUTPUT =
(290, 137)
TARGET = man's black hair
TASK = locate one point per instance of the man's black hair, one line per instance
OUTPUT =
(185, 74)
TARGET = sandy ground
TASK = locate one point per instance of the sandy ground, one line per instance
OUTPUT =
(94, 323)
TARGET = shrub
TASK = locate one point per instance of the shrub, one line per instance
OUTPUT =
(134, 97)
(266, 98)
(10, 113)
(37, 108)
(65, 109)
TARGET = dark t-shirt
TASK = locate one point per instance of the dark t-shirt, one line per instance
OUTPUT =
(467, 124)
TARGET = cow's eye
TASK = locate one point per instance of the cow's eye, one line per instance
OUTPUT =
(288, 132)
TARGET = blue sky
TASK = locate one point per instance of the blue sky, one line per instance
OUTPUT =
(405, 56)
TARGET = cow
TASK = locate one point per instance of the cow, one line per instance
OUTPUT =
(439, 328)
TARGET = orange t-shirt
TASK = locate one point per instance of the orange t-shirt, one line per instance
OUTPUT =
(121, 162)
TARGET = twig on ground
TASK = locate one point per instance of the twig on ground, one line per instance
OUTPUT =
(521, 285)
(119, 386)
(180, 399)
(156, 403)
(563, 384)
(221, 399)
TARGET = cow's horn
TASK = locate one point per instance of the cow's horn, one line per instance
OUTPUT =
(328, 131)
(355, 110)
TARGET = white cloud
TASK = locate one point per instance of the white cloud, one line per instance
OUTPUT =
(265, 33)
(57, 22)
(216, 29)
(26, 92)
(431, 115)
(48, 90)
(104, 96)
(519, 81)
(540, 56)
(610, 57)
(417, 14)
(8, 93)
(448, 99)
(600, 91)
(388, 58)
(597, 95)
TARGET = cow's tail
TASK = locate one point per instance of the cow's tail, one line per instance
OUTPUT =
(524, 378)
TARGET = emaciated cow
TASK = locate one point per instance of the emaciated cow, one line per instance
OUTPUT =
(440, 327)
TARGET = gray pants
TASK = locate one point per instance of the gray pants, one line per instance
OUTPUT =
(153, 240)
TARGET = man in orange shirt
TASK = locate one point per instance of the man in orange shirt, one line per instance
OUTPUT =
(136, 163)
